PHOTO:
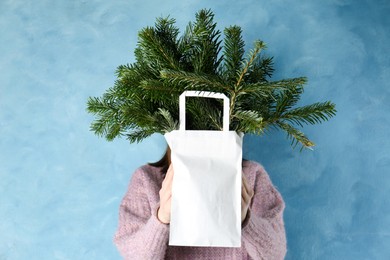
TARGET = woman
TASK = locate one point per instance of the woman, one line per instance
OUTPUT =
(144, 216)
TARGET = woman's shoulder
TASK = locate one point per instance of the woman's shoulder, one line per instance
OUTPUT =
(253, 166)
(254, 170)
(147, 173)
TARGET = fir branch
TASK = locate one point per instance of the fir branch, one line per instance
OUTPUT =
(166, 121)
(233, 52)
(261, 70)
(311, 114)
(261, 89)
(289, 97)
(101, 125)
(259, 45)
(248, 121)
(113, 131)
(203, 114)
(159, 44)
(295, 135)
(158, 90)
(188, 47)
(194, 81)
(290, 84)
(144, 98)
(145, 63)
(138, 134)
(98, 106)
(206, 43)
(107, 123)
(123, 70)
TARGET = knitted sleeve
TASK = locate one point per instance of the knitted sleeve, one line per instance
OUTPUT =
(263, 232)
(140, 235)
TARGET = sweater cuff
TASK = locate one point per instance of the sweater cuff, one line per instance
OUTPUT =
(256, 231)
(160, 230)
(254, 227)
(257, 236)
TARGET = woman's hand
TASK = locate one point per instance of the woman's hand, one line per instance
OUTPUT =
(164, 212)
(246, 197)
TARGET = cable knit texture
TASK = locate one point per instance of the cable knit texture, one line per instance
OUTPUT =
(140, 235)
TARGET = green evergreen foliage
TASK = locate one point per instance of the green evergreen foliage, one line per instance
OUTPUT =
(144, 99)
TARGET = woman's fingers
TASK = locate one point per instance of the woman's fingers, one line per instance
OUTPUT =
(169, 172)
(167, 182)
(247, 188)
(247, 193)
(169, 177)
(164, 212)
(244, 193)
(246, 197)
(166, 187)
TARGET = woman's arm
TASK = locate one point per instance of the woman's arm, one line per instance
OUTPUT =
(263, 230)
(140, 235)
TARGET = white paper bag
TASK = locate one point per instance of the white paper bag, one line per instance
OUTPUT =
(206, 188)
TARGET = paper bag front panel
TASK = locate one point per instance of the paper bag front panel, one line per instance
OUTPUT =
(206, 188)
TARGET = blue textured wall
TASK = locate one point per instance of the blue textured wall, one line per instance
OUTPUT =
(60, 186)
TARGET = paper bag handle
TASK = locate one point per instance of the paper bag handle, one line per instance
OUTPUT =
(206, 94)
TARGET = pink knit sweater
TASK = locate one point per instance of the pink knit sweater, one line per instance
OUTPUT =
(141, 235)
